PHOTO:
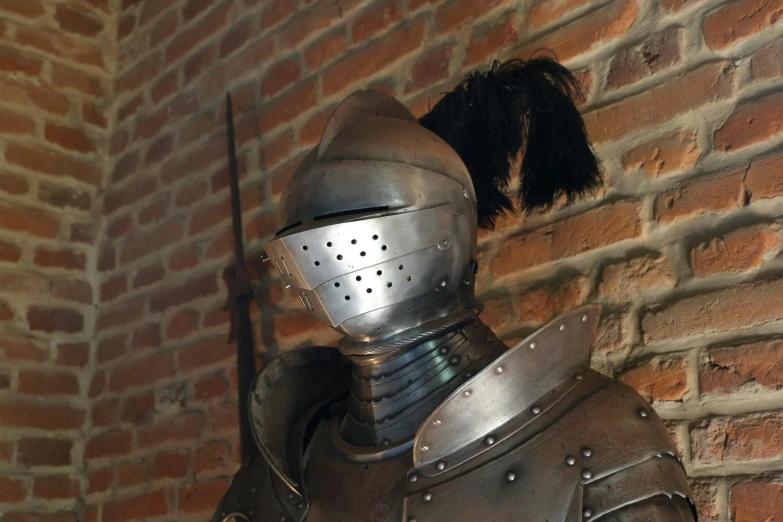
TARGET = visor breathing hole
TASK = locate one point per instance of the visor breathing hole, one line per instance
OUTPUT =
(337, 285)
(347, 297)
(339, 257)
(401, 267)
(369, 290)
(379, 272)
(409, 278)
(362, 253)
(358, 278)
(353, 241)
(317, 263)
(389, 284)
(383, 247)
(328, 243)
(375, 236)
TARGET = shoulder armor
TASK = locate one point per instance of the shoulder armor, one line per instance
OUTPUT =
(285, 395)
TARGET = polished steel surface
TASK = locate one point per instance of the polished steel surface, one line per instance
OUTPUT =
(506, 389)
(287, 387)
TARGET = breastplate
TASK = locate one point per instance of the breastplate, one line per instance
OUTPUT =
(535, 436)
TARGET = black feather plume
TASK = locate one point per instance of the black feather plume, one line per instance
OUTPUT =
(518, 106)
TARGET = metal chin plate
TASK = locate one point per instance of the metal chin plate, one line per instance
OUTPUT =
(475, 413)
(347, 269)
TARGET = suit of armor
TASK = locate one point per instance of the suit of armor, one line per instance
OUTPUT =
(422, 413)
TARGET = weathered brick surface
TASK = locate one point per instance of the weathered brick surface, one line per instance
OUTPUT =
(115, 221)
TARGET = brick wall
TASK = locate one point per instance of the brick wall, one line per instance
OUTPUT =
(56, 65)
(682, 247)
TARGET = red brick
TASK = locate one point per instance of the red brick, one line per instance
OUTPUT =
(9, 252)
(224, 417)
(76, 290)
(138, 409)
(767, 63)
(104, 413)
(46, 161)
(142, 371)
(62, 197)
(676, 5)
(139, 75)
(544, 12)
(64, 76)
(236, 67)
(277, 11)
(44, 452)
(97, 384)
(431, 68)
(280, 76)
(173, 111)
(200, 62)
(100, 480)
(322, 14)
(21, 349)
(454, 14)
(756, 501)
(108, 444)
(169, 465)
(236, 38)
(213, 456)
(73, 354)
(673, 151)
(22, 94)
(77, 21)
(188, 39)
(185, 258)
(119, 316)
(764, 177)
(11, 491)
(152, 241)
(61, 258)
(94, 115)
(165, 87)
(126, 26)
(656, 54)
(743, 368)
(750, 122)
(13, 184)
(111, 348)
(707, 84)
(202, 497)
(710, 194)
(312, 130)
(130, 108)
(377, 17)
(56, 487)
(622, 281)
(141, 507)
(183, 323)
(25, 8)
(659, 380)
(14, 61)
(6, 450)
(325, 50)
(735, 252)
(149, 275)
(61, 45)
(724, 439)
(159, 150)
(131, 473)
(211, 387)
(27, 516)
(83, 233)
(47, 383)
(205, 352)
(146, 336)
(196, 288)
(739, 20)
(596, 228)
(369, 60)
(156, 211)
(544, 303)
(734, 308)
(31, 415)
(197, 127)
(15, 123)
(50, 319)
(183, 428)
(120, 226)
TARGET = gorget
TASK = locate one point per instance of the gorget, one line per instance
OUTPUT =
(535, 436)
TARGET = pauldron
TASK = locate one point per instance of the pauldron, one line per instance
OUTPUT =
(534, 436)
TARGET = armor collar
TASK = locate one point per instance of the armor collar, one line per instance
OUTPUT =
(483, 410)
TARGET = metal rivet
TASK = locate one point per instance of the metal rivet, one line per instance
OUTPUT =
(587, 452)
(253, 490)
(425, 448)
(584, 318)
(586, 474)
(443, 284)
(444, 351)
(499, 369)
(587, 513)
(440, 466)
(488, 339)
(427, 497)
(454, 360)
(562, 327)
(490, 440)
(465, 194)
(437, 422)
(467, 393)
(511, 476)
(385, 443)
(532, 346)
(468, 375)
(536, 410)
(578, 377)
(570, 460)
(282, 519)
(290, 496)
(643, 413)
(301, 505)
(413, 478)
